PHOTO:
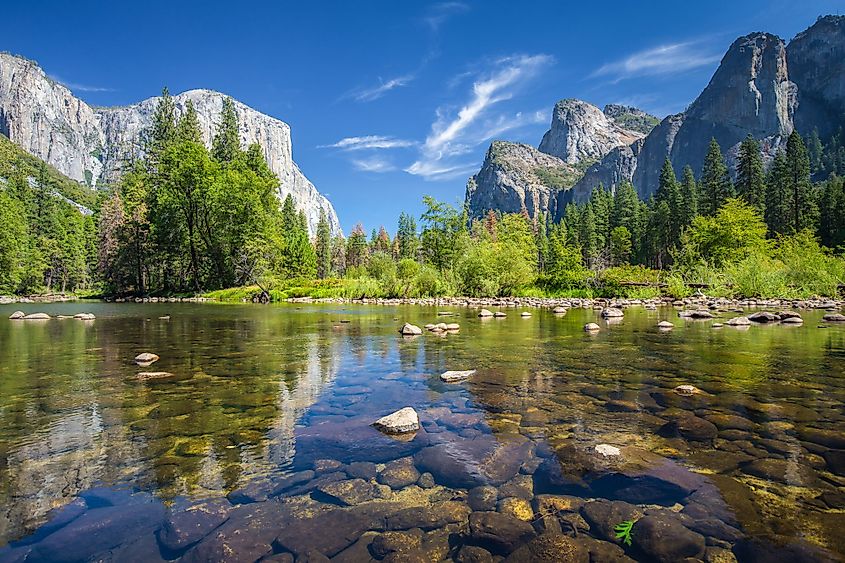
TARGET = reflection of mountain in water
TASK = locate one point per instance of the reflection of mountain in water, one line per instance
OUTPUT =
(77, 418)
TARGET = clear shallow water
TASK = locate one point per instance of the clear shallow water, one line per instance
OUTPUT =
(260, 393)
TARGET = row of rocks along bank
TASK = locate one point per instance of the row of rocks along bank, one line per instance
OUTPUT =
(702, 302)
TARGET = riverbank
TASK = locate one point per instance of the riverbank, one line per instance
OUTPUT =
(703, 302)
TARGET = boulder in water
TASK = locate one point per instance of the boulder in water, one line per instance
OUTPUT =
(410, 330)
(36, 317)
(17, 315)
(146, 358)
(453, 376)
(400, 422)
(484, 313)
(592, 327)
(612, 313)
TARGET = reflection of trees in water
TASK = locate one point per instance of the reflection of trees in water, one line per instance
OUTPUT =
(73, 416)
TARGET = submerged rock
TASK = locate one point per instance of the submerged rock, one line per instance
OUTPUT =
(399, 474)
(551, 548)
(499, 533)
(350, 492)
(186, 527)
(690, 427)
(664, 539)
(400, 422)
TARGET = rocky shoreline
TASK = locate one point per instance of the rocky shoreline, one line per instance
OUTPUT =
(702, 302)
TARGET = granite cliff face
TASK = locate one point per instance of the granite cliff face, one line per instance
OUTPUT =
(516, 176)
(762, 87)
(92, 144)
(582, 132)
(750, 93)
(817, 66)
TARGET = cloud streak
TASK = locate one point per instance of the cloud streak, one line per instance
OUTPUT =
(80, 87)
(369, 142)
(375, 164)
(376, 92)
(661, 60)
(439, 13)
(456, 133)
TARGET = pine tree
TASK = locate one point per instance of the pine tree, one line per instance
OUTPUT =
(542, 241)
(323, 246)
(832, 216)
(162, 132)
(382, 243)
(356, 247)
(188, 125)
(690, 197)
(802, 204)
(750, 178)
(715, 183)
(815, 150)
(625, 207)
(587, 235)
(406, 232)
(669, 192)
(226, 144)
(777, 213)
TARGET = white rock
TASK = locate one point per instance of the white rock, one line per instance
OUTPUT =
(402, 421)
(17, 315)
(485, 313)
(612, 313)
(453, 376)
(525, 314)
(592, 327)
(146, 358)
(500, 314)
(37, 317)
(410, 330)
(84, 316)
(453, 326)
(738, 321)
(665, 324)
(607, 450)
(686, 390)
(559, 310)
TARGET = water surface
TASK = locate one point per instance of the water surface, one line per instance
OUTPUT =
(261, 392)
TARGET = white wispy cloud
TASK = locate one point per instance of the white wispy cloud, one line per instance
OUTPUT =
(455, 133)
(80, 87)
(374, 164)
(439, 13)
(384, 86)
(369, 142)
(663, 59)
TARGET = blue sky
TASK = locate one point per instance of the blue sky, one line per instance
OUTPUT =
(391, 100)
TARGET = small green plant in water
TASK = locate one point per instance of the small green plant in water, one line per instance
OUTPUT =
(623, 531)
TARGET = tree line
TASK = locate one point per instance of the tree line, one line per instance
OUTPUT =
(185, 218)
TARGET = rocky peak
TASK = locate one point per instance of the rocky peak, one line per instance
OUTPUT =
(582, 132)
(517, 176)
(91, 145)
(630, 118)
(750, 92)
(817, 66)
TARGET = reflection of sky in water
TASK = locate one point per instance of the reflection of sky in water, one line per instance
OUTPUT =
(262, 390)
